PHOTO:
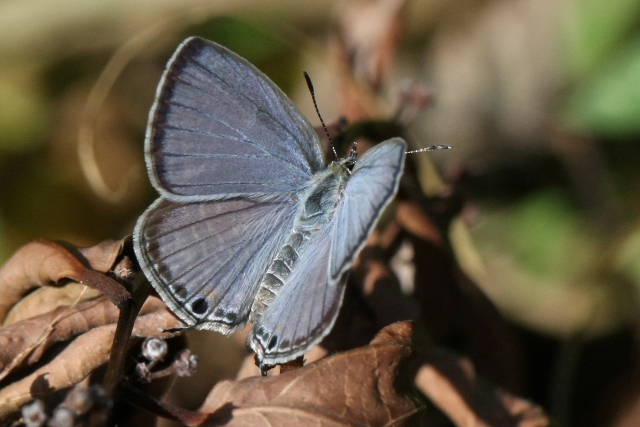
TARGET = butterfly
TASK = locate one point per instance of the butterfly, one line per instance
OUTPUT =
(252, 224)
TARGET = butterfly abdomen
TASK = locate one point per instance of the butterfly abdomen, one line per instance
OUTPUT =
(277, 273)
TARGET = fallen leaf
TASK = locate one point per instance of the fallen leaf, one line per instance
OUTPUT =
(102, 257)
(370, 31)
(82, 355)
(356, 388)
(31, 337)
(364, 52)
(47, 299)
(416, 221)
(450, 382)
(44, 262)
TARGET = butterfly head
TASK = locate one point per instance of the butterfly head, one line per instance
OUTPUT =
(349, 161)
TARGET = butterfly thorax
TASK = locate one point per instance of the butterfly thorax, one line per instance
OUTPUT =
(319, 199)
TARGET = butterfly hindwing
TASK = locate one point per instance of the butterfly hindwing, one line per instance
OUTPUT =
(220, 128)
(305, 309)
(206, 259)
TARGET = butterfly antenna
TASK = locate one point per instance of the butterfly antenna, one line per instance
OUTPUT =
(432, 148)
(315, 104)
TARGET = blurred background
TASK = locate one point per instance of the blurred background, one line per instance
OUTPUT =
(539, 98)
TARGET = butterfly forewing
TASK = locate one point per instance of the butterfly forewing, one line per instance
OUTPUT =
(220, 127)
(205, 259)
(371, 187)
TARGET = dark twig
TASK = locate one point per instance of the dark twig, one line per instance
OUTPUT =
(144, 401)
(120, 345)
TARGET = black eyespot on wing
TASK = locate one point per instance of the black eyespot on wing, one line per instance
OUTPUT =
(273, 342)
(200, 306)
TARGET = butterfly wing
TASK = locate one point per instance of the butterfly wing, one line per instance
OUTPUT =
(305, 309)
(373, 184)
(206, 259)
(219, 127)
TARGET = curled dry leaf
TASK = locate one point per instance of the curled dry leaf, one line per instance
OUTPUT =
(102, 257)
(96, 322)
(23, 343)
(44, 262)
(356, 387)
(414, 220)
(47, 299)
(451, 384)
(363, 52)
(370, 31)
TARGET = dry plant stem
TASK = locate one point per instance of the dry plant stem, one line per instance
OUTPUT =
(126, 321)
(147, 403)
(446, 380)
(450, 382)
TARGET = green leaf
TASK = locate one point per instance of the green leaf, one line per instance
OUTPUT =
(596, 29)
(608, 104)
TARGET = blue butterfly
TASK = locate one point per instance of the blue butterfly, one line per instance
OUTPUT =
(251, 223)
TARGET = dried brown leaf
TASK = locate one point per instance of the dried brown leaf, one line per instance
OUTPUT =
(363, 52)
(451, 384)
(83, 355)
(370, 30)
(102, 257)
(414, 220)
(47, 299)
(43, 262)
(28, 339)
(357, 101)
(23, 343)
(351, 388)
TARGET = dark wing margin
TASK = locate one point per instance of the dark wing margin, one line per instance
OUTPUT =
(206, 259)
(219, 127)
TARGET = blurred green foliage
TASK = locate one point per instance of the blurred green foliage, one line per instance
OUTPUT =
(598, 29)
(544, 232)
(609, 102)
(604, 67)
(23, 112)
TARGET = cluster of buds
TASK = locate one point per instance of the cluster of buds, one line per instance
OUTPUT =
(80, 404)
(155, 350)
